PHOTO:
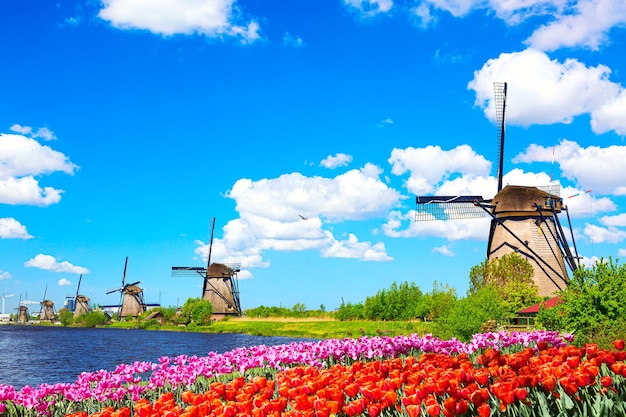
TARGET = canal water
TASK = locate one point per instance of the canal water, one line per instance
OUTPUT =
(33, 355)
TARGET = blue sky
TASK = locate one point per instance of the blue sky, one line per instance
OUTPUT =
(127, 126)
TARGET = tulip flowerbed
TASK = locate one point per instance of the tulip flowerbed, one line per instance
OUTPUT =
(496, 374)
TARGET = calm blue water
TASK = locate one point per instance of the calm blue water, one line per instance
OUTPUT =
(33, 355)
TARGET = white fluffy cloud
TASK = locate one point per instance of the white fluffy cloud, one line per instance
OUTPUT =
(335, 161)
(429, 166)
(595, 168)
(599, 234)
(4, 275)
(212, 18)
(610, 115)
(290, 213)
(12, 229)
(49, 263)
(22, 161)
(585, 23)
(369, 8)
(542, 90)
(568, 24)
(64, 282)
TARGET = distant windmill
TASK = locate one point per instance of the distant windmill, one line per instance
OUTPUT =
(131, 297)
(81, 302)
(22, 310)
(3, 297)
(47, 308)
(524, 219)
(220, 285)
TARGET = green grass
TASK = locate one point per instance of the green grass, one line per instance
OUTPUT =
(297, 328)
(319, 329)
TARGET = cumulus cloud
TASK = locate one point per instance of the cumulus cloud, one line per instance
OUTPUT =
(49, 263)
(369, 8)
(586, 23)
(215, 19)
(290, 213)
(570, 24)
(357, 194)
(617, 220)
(64, 282)
(41, 133)
(352, 248)
(335, 161)
(597, 234)
(429, 166)
(596, 168)
(4, 275)
(12, 229)
(542, 90)
(610, 116)
(22, 161)
(445, 250)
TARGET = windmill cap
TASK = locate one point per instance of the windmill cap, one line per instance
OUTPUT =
(518, 198)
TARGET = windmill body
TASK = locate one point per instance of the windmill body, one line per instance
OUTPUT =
(221, 289)
(22, 314)
(47, 312)
(526, 222)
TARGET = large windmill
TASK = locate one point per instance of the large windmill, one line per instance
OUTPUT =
(81, 302)
(220, 284)
(131, 297)
(48, 312)
(524, 219)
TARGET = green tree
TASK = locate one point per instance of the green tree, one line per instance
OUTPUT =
(66, 317)
(468, 315)
(511, 277)
(398, 302)
(197, 311)
(91, 319)
(350, 311)
(438, 303)
(592, 307)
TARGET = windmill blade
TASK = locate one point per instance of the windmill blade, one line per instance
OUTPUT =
(115, 290)
(500, 105)
(44, 294)
(78, 289)
(124, 276)
(130, 285)
(208, 262)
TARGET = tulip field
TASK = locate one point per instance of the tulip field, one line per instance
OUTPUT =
(517, 374)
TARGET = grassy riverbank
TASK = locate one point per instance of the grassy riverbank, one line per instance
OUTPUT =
(321, 328)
